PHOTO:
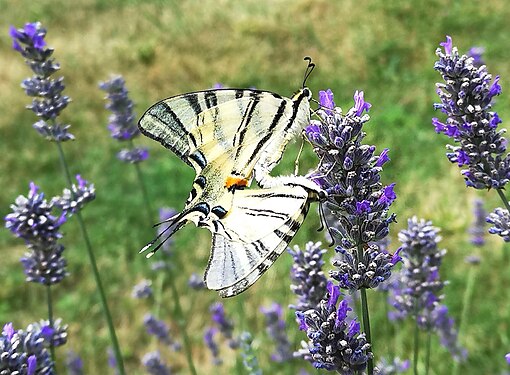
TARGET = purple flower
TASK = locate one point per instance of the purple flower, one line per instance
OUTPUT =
(142, 290)
(48, 101)
(196, 282)
(500, 219)
(159, 329)
(477, 229)
(334, 344)
(507, 357)
(326, 101)
(133, 156)
(32, 219)
(360, 104)
(74, 199)
(447, 45)
(349, 171)
(397, 366)
(154, 364)
(54, 335)
(308, 279)
(225, 325)
(476, 54)
(416, 293)
(122, 124)
(24, 352)
(368, 272)
(212, 345)
(466, 99)
(74, 364)
(275, 328)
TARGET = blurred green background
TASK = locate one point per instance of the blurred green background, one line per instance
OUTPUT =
(163, 48)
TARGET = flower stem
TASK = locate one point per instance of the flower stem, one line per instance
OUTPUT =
(466, 306)
(427, 353)
(49, 300)
(366, 317)
(159, 294)
(416, 348)
(145, 194)
(182, 324)
(95, 271)
(503, 198)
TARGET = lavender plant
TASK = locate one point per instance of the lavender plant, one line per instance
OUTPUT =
(47, 103)
(349, 171)
(466, 99)
(308, 279)
(24, 352)
(74, 364)
(160, 329)
(122, 125)
(334, 344)
(225, 325)
(212, 345)
(416, 293)
(477, 229)
(276, 329)
(154, 364)
(142, 290)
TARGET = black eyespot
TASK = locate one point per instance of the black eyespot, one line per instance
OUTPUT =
(307, 93)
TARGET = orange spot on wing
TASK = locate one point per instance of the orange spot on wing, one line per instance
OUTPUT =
(235, 182)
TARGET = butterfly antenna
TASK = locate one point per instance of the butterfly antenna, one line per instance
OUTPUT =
(308, 69)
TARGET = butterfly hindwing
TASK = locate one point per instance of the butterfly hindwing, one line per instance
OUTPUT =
(251, 237)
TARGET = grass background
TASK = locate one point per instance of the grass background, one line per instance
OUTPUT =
(163, 48)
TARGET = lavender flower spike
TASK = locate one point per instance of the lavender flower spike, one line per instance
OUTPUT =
(466, 98)
(225, 326)
(417, 292)
(477, 229)
(74, 199)
(308, 279)
(349, 171)
(154, 364)
(32, 219)
(48, 101)
(212, 345)
(500, 219)
(24, 353)
(275, 327)
(122, 123)
(334, 344)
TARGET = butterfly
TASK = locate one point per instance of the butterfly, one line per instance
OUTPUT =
(230, 137)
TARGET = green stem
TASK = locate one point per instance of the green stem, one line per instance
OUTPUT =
(145, 194)
(95, 270)
(466, 306)
(159, 294)
(427, 353)
(503, 198)
(416, 348)
(49, 300)
(366, 316)
(182, 324)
